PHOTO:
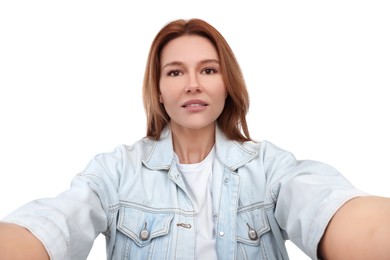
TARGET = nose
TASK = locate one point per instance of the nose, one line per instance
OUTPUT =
(192, 85)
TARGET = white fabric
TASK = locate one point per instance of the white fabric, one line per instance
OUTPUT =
(198, 180)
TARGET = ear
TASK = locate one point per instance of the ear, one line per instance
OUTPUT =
(161, 99)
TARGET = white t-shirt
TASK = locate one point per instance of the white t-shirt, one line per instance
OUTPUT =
(198, 180)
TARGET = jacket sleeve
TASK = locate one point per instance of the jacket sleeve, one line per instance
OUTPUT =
(68, 224)
(307, 194)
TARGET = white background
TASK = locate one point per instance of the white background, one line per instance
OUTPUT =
(71, 75)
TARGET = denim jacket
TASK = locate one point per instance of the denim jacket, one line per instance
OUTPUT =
(135, 196)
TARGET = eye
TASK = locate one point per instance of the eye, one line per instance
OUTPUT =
(174, 73)
(209, 71)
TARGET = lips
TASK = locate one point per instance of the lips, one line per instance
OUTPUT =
(195, 106)
(194, 103)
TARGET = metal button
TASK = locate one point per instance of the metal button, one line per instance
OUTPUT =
(221, 233)
(252, 234)
(144, 234)
(226, 180)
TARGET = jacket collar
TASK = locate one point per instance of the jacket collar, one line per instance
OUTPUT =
(231, 154)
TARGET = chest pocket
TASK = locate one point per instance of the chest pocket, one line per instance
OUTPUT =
(254, 239)
(144, 233)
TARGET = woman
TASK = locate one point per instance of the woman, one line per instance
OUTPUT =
(198, 187)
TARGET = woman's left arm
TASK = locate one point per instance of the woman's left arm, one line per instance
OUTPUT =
(360, 229)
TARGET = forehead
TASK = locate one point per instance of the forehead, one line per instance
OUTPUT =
(188, 48)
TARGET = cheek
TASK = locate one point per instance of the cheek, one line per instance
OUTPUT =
(162, 96)
(222, 92)
(170, 92)
(168, 100)
(165, 88)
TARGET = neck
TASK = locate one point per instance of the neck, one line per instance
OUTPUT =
(192, 145)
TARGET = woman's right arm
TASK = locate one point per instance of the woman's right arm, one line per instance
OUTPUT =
(17, 242)
(65, 227)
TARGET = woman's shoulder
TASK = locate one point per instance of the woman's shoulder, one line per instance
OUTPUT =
(123, 151)
(263, 146)
(142, 145)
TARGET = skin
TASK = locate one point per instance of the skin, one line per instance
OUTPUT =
(190, 72)
(360, 229)
(17, 243)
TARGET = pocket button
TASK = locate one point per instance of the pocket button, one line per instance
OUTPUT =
(144, 235)
(252, 234)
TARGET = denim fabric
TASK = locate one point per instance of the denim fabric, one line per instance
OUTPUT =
(262, 196)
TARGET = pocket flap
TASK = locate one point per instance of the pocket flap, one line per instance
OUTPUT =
(132, 221)
(251, 219)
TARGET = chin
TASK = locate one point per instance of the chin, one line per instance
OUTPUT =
(196, 125)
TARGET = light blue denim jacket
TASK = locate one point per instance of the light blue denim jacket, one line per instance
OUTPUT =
(135, 196)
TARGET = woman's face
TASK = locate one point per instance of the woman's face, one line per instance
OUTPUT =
(191, 85)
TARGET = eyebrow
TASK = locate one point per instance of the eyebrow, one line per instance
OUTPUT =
(178, 63)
